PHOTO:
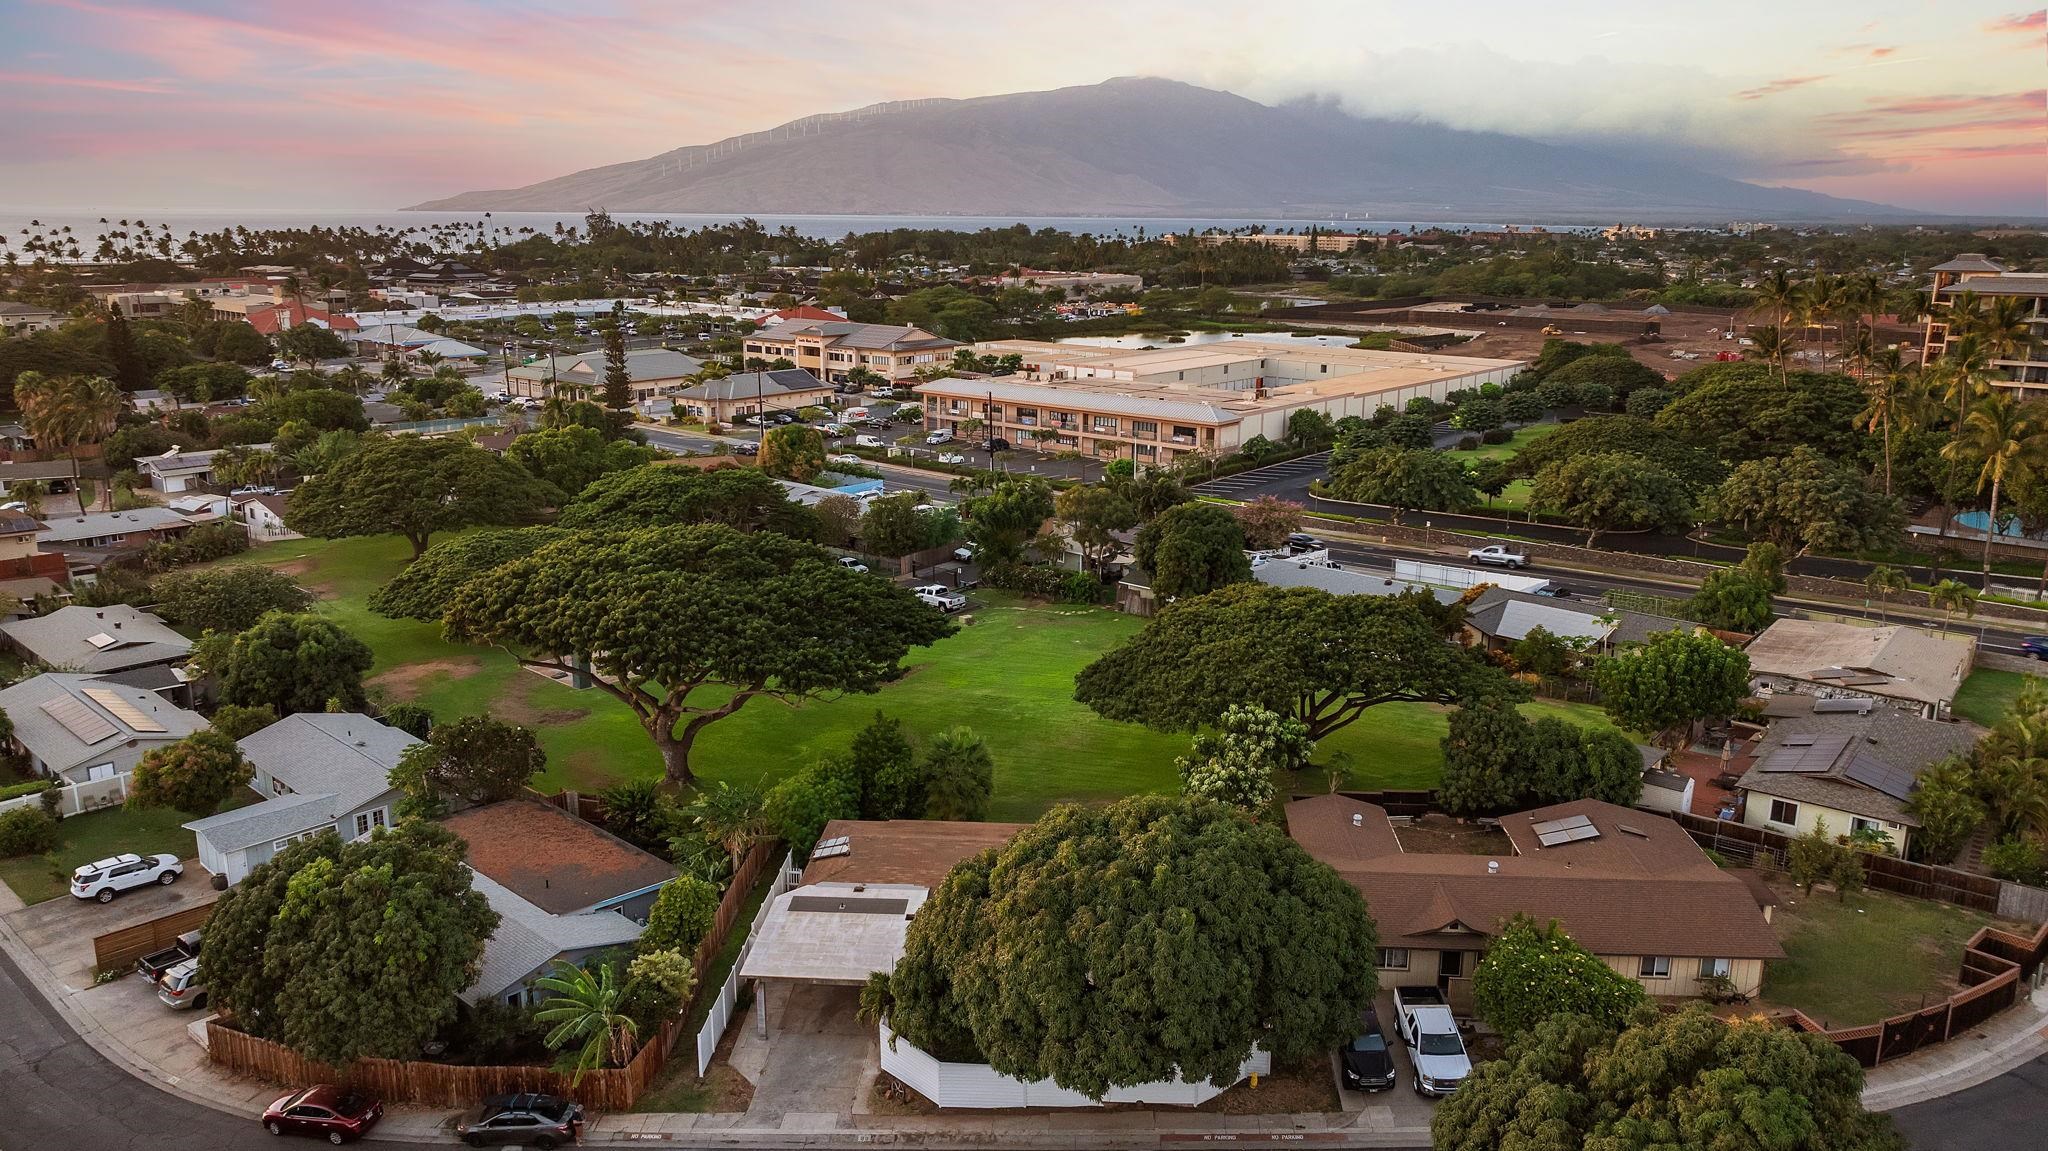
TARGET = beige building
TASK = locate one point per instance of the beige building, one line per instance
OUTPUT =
(1155, 405)
(653, 372)
(2027, 368)
(746, 393)
(19, 319)
(1630, 886)
(1317, 242)
(1901, 667)
(1853, 772)
(829, 349)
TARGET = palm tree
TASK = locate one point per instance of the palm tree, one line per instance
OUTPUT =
(1768, 344)
(352, 377)
(1819, 302)
(1884, 582)
(586, 1008)
(1890, 391)
(2000, 436)
(731, 817)
(68, 411)
(1777, 296)
(1951, 597)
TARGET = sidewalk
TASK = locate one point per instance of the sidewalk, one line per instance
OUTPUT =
(2010, 1039)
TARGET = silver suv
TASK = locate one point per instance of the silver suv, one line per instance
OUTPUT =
(181, 987)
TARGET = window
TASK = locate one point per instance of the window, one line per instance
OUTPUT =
(1784, 812)
(1715, 968)
(1857, 823)
(1394, 958)
(366, 820)
(1656, 967)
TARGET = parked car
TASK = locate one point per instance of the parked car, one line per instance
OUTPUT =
(942, 436)
(1557, 591)
(2035, 647)
(103, 879)
(1368, 1061)
(854, 415)
(867, 441)
(746, 448)
(182, 986)
(521, 1121)
(844, 459)
(995, 444)
(1300, 542)
(1434, 1045)
(940, 596)
(952, 458)
(153, 965)
(964, 553)
(1498, 556)
(877, 422)
(834, 428)
(324, 1111)
(852, 564)
(783, 419)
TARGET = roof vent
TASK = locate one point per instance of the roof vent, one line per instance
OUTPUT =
(1493, 867)
(1357, 819)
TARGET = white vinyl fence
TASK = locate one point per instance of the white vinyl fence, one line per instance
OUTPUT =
(78, 798)
(728, 995)
(978, 1084)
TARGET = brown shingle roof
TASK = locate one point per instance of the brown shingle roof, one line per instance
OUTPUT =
(919, 851)
(552, 859)
(1623, 893)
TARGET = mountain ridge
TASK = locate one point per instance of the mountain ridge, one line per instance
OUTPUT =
(1136, 146)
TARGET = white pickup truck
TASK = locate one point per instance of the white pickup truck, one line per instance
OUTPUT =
(1498, 556)
(1431, 1033)
(940, 596)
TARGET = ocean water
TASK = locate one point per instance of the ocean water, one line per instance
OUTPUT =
(86, 224)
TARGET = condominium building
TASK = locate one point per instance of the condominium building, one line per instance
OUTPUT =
(829, 349)
(2025, 369)
(1155, 405)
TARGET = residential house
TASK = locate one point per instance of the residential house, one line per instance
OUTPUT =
(782, 390)
(18, 319)
(557, 862)
(263, 514)
(176, 471)
(1902, 667)
(1155, 405)
(830, 349)
(654, 371)
(408, 342)
(26, 571)
(96, 640)
(1499, 619)
(276, 318)
(53, 475)
(111, 531)
(83, 728)
(529, 941)
(1629, 886)
(1853, 771)
(319, 772)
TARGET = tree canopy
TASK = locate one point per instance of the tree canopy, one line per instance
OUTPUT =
(795, 452)
(290, 663)
(226, 599)
(1237, 764)
(686, 625)
(1192, 549)
(573, 457)
(1321, 658)
(475, 759)
(1405, 480)
(422, 590)
(1627, 434)
(740, 498)
(1151, 939)
(1678, 677)
(341, 951)
(1805, 501)
(416, 487)
(1686, 1079)
(1531, 973)
(192, 775)
(1747, 412)
(1612, 491)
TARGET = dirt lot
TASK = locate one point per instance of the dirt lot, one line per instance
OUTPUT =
(1681, 333)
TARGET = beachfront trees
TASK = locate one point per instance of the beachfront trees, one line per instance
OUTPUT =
(741, 617)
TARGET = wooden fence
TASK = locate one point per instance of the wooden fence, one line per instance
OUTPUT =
(454, 1085)
(1997, 967)
(117, 950)
(1882, 872)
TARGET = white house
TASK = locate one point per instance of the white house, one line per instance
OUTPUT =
(263, 515)
(321, 772)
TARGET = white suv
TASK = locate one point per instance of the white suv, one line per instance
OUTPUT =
(103, 879)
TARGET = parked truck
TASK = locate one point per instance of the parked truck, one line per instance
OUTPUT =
(153, 965)
(1498, 556)
(940, 596)
(1431, 1033)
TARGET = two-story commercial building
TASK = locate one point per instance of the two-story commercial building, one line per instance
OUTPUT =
(830, 349)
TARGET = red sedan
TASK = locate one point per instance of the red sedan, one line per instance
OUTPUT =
(325, 1111)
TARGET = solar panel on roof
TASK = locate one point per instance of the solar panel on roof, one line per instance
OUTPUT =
(1804, 754)
(100, 640)
(1798, 741)
(1570, 829)
(1872, 772)
(126, 712)
(85, 724)
(831, 852)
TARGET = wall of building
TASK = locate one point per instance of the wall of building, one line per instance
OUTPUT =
(1684, 982)
(1756, 812)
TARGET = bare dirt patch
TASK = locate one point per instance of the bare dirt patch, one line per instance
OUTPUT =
(518, 706)
(1308, 1086)
(406, 682)
(297, 570)
(1435, 834)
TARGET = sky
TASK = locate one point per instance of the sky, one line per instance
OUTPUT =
(1937, 105)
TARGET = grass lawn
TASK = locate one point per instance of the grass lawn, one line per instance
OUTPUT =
(1514, 497)
(99, 834)
(1987, 695)
(1009, 675)
(1856, 961)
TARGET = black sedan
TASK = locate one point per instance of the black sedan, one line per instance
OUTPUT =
(521, 1121)
(1368, 1062)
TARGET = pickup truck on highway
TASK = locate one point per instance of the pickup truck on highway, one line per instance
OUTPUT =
(1497, 555)
(1431, 1033)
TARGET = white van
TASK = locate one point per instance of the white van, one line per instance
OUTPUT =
(866, 441)
(853, 415)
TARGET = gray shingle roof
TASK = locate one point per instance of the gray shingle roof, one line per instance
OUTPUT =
(333, 763)
(527, 938)
(641, 365)
(745, 385)
(1890, 737)
(1280, 571)
(55, 744)
(274, 818)
(99, 524)
(63, 638)
(1504, 614)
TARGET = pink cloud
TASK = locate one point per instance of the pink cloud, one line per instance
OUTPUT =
(2020, 23)
(1775, 87)
(39, 79)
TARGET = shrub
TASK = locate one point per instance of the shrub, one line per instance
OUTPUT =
(1496, 435)
(17, 790)
(27, 831)
(1468, 443)
(2016, 859)
(681, 915)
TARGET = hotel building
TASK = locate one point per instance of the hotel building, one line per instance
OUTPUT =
(2026, 369)
(829, 349)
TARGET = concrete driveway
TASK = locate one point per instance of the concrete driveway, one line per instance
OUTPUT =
(817, 1061)
(60, 931)
(1386, 1110)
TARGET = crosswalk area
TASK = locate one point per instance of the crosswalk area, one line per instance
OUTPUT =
(1246, 485)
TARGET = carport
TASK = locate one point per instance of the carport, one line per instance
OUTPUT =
(829, 934)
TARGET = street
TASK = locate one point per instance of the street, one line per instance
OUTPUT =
(1991, 1116)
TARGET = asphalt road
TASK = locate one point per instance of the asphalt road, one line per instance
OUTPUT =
(2006, 1112)
(61, 1095)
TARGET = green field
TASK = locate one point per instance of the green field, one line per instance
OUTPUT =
(1987, 695)
(1515, 497)
(1009, 675)
(1856, 961)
